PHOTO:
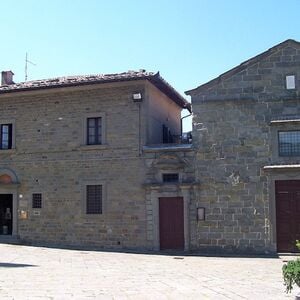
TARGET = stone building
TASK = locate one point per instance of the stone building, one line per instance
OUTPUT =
(101, 160)
(88, 161)
(246, 136)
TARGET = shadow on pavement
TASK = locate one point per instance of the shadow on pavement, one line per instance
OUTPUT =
(177, 253)
(12, 265)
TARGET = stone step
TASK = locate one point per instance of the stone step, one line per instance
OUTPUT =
(9, 239)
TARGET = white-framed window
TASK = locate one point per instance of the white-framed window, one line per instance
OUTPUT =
(290, 81)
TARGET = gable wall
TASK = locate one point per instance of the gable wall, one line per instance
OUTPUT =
(233, 140)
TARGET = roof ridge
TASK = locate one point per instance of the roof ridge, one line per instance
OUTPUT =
(97, 75)
(243, 65)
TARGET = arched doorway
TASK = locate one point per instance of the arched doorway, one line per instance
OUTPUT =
(8, 202)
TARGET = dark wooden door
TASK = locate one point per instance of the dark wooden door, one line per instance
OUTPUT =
(171, 224)
(287, 214)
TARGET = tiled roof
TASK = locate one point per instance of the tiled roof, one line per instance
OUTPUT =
(68, 81)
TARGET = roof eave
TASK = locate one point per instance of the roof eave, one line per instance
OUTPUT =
(168, 90)
(155, 79)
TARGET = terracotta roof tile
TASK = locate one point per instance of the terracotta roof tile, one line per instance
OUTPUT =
(68, 81)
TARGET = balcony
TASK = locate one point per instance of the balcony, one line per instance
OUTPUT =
(172, 143)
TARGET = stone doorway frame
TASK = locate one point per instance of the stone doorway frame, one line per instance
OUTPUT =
(12, 189)
(158, 191)
(273, 175)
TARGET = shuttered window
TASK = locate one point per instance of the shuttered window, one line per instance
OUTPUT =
(94, 199)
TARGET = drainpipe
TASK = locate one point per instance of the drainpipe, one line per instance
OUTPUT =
(138, 98)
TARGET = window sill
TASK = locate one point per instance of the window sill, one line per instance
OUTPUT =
(282, 167)
(94, 147)
(282, 122)
(91, 217)
(7, 151)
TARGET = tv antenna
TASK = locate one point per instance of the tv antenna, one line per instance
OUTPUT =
(26, 66)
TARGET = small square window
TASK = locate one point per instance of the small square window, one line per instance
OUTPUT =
(36, 200)
(290, 82)
(170, 177)
(289, 143)
(94, 199)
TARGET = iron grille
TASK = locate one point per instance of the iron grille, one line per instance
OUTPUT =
(94, 199)
(36, 200)
(170, 177)
(289, 143)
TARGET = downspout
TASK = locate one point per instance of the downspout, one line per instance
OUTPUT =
(140, 137)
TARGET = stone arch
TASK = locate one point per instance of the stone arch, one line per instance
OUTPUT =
(8, 176)
(167, 160)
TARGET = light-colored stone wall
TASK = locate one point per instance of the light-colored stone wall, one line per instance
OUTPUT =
(51, 158)
(161, 111)
(165, 160)
(234, 140)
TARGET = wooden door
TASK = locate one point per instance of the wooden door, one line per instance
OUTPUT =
(287, 214)
(171, 223)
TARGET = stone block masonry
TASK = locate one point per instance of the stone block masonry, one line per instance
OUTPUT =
(233, 141)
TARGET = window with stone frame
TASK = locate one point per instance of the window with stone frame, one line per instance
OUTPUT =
(37, 200)
(6, 137)
(289, 143)
(94, 131)
(170, 177)
(94, 199)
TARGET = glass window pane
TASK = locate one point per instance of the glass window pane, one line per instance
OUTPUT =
(4, 129)
(289, 143)
(91, 131)
(91, 122)
(5, 145)
(94, 131)
(6, 136)
(99, 123)
(91, 139)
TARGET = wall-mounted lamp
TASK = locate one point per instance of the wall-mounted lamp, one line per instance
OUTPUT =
(23, 215)
(137, 97)
(201, 214)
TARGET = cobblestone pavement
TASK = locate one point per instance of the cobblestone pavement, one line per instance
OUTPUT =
(47, 273)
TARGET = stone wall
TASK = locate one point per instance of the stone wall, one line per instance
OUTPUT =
(162, 160)
(233, 141)
(50, 158)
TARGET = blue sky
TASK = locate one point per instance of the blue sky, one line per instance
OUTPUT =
(189, 42)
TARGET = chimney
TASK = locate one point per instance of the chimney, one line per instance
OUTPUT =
(7, 77)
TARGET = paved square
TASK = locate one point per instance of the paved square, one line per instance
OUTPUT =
(45, 273)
